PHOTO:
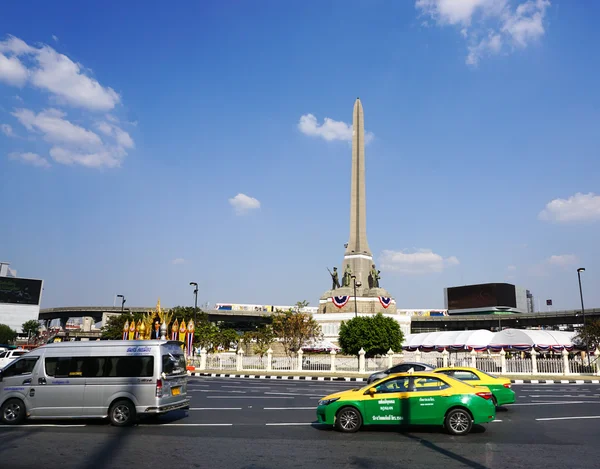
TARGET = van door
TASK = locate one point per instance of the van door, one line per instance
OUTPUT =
(17, 380)
(59, 388)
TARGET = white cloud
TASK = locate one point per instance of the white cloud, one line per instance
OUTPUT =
(564, 260)
(7, 130)
(422, 261)
(243, 203)
(178, 261)
(511, 268)
(12, 71)
(55, 38)
(73, 144)
(489, 26)
(577, 208)
(55, 73)
(30, 158)
(329, 129)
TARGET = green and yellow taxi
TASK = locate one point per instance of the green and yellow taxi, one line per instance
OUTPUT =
(422, 398)
(500, 388)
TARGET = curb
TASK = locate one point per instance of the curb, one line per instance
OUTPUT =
(340, 378)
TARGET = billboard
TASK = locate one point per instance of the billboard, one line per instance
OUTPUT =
(487, 295)
(20, 291)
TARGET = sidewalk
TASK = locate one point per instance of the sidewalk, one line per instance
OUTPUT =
(362, 377)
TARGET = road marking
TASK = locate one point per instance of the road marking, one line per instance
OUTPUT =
(564, 395)
(188, 425)
(217, 390)
(29, 425)
(569, 418)
(247, 387)
(215, 408)
(496, 420)
(286, 393)
(246, 397)
(289, 408)
(552, 403)
(286, 424)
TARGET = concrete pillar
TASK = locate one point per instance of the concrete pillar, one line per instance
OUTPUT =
(332, 354)
(240, 359)
(597, 362)
(503, 361)
(361, 360)
(390, 358)
(269, 359)
(473, 358)
(565, 356)
(445, 357)
(418, 356)
(300, 354)
(534, 368)
(203, 354)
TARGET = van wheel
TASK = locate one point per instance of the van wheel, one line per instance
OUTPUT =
(12, 412)
(458, 422)
(122, 413)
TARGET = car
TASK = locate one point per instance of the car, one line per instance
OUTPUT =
(410, 399)
(400, 368)
(10, 355)
(500, 388)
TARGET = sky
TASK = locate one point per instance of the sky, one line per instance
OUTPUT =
(146, 145)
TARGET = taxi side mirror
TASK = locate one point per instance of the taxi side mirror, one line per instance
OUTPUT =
(372, 391)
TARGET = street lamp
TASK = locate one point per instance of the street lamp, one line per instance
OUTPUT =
(122, 301)
(195, 285)
(587, 344)
(356, 284)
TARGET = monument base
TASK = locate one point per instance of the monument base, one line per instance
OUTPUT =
(371, 301)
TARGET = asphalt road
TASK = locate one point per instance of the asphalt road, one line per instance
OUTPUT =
(269, 424)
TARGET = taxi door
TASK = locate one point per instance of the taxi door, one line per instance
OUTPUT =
(428, 400)
(388, 403)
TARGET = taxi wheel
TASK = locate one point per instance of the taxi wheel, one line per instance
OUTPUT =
(458, 422)
(348, 420)
(12, 412)
(122, 413)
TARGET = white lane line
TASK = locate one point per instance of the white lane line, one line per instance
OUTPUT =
(569, 418)
(496, 420)
(286, 424)
(289, 408)
(29, 425)
(286, 393)
(216, 390)
(158, 425)
(552, 403)
(564, 395)
(246, 397)
(215, 408)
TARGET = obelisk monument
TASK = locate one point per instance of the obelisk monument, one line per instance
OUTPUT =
(358, 265)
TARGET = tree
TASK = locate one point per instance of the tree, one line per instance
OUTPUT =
(375, 334)
(261, 339)
(31, 328)
(589, 334)
(300, 305)
(7, 335)
(295, 329)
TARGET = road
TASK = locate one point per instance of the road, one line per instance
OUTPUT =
(269, 424)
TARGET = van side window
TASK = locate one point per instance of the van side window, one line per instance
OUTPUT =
(100, 367)
(24, 366)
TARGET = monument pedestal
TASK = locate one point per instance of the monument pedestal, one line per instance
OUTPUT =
(368, 301)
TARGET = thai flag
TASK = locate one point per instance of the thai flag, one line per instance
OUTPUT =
(190, 343)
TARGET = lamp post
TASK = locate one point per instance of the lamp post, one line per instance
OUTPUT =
(587, 344)
(195, 285)
(356, 284)
(122, 301)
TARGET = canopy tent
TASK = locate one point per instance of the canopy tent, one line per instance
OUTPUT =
(481, 339)
(525, 339)
(321, 346)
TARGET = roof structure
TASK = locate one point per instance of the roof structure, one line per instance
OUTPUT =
(481, 339)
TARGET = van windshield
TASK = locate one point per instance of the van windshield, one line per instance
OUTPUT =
(173, 364)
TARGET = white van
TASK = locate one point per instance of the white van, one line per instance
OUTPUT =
(118, 379)
(7, 356)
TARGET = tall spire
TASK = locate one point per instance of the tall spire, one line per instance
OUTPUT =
(357, 243)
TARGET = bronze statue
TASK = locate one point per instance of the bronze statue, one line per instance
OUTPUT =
(347, 276)
(374, 277)
(334, 278)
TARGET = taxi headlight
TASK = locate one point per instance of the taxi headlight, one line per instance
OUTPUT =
(328, 401)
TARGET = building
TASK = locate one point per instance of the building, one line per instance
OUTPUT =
(488, 298)
(19, 298)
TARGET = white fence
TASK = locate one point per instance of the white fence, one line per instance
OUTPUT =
(499, 363)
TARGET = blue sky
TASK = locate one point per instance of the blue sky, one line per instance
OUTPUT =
(130, 129)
